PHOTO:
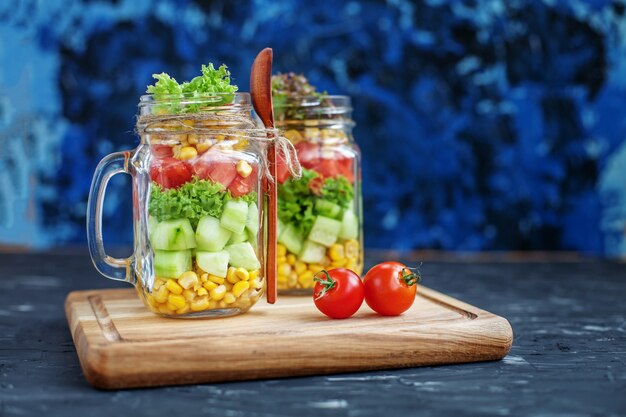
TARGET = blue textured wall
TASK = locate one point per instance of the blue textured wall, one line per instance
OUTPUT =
(483, 124)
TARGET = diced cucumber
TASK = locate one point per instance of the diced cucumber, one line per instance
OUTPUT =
(242, 255)
(171, 264)
(291, 239)
(280, 228)
(215, 263)
(234, 216)
(325, 230)
(349, 225)
(252, 222)
(312, 252)
(173, 235)
(327, 208)
(210, 235)
(238, 237)
(152, 224)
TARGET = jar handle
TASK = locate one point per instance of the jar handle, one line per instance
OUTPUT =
(113, 268)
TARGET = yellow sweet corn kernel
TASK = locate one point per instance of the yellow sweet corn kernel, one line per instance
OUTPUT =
(311, 133)
(243, 168)
(177, 300)
(188, 279)
(218, 293)
(200, 304)
(339, 263)
(202, 291)
(336, 252)
(228, 286)
(158, 283)
(284, 269)
(204, 277)
(212, 304)
(293, 135)
(187, 152)
(352, 265)
(257, 283)
(192, 138)
(164, 310)
(281, 250)
(229, 298)
(151, 300)
(306, 279)
(189, 294)
(325, 261)
(281, 260)
(209, 285)
(351, 248)
(281, 280)
(315, 268)
(161, 294)
(230, 273)
(300, 267)
(221, 304)
(240, 287)
(173, 287)
(216, 279)
(242, 274)
(291, 259)
(171, 306)
(202, 147)
(183, 310)
(241, 145)
(293, 279)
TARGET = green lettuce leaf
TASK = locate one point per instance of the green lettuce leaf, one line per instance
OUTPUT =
(212, 81)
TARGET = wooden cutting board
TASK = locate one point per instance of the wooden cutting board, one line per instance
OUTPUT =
(121, 344)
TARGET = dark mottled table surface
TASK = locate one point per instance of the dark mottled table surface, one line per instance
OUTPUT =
(568, 356)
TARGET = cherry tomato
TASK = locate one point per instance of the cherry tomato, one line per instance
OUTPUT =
(390, 288)
(338, 293)
(282, 172)
(241, 186)
(309, 154)
(170, 172)
(161, 151)
(211, 166)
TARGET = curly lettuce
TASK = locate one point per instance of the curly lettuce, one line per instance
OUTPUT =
(213, 84)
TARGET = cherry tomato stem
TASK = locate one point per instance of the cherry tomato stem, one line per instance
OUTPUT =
(411, 276)
(327, 282)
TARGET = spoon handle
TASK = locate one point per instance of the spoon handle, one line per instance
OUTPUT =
(261, 92)
(272, 205)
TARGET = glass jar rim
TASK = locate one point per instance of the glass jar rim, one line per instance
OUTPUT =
(318, 100)
(194, 103)
(241, 98)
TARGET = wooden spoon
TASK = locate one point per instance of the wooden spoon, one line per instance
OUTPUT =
(261, 92)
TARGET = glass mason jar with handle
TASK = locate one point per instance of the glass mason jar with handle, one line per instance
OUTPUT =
(198, 192)
(319, 214)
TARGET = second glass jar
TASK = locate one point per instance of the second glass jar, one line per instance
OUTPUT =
(319, 214)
